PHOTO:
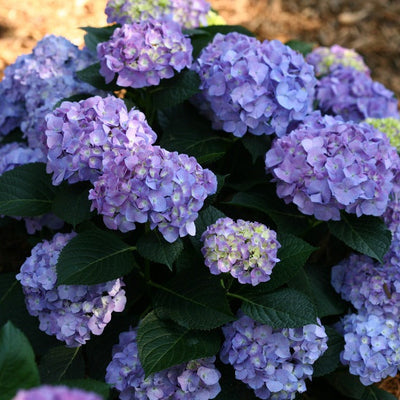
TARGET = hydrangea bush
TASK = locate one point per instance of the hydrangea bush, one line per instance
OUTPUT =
(189, 213)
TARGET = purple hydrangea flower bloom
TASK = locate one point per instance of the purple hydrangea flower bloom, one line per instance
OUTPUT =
(371, 287)
(78, 133)
(355, 96)
(152, 184)
(372, 346)
(251, 86)
(36, 82)
(142, 53)
(187, 13)
(328, 165)
(326, 59)
(193, 380)
(46, 392)
(70, 312)
(273, 362)
(247, 250)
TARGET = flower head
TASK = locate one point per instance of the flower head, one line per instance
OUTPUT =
(152, 184)
(70, 312)
(78, 134)
(328, 165)
(273, 362)
(247, 250)
(254, 86)
(355, 96)
(372, 346)
(36, 82)
(326, 59)
(193, 380)
(143, 53)
(46, 392)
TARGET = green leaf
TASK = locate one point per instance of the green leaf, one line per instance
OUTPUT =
(185, 131)
(374, 393)
(293, 254)
(365, 234)
(176, 90)
(26, 191)
(93, 257)
(92, 76)
(206, 217)
(300, 46)
(347, 384)
(17, 362)
(90, 385)
(155, 248)
(61, 362)
(199, 305)
(71, 204)
(330, 360)
(257, 146)
(94, 36)
(284, 308)
(162, 344)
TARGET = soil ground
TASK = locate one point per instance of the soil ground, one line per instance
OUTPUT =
(372, 27)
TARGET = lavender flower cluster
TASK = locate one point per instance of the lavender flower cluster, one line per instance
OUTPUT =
(273, 362)
(355, 96)
(372, 346)
(187, 13)
(254, 86)
(326, 59)
(78, 133)
(247, 250)
(70, 312)
(389, 126)
(196, 379)
(143, 53)
(152, 184)
(327, 165)
(46, 392)
(36, 82)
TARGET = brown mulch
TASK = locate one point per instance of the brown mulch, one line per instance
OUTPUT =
(372, 27)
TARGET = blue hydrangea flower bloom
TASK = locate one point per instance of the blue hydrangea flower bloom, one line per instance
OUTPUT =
(355, 96)
(143, 53)
(326, 59)
(273, 362)
(251, 86)
(247, 250)
(152, 184)
(70, 312)
(328, 165)
(371, 287)
(46, 392)
(78, 133)
(36, 82)
(372, 346)
(187, 13)
(193, 380)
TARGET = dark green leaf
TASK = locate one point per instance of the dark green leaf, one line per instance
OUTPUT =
(374, 393)
(284, 308)
(72, 205)
(366, 234)
(162, 344)
(17, 362)
(176, 90)
(94, 36)
(155, 248)
(93, 257)
(185, 131)
(61, 362)
(257, 146)
(199, 305)
(91, 75)
(300, 46)
(346, 384)
(90, 385)
(330, 360)
(26, 191)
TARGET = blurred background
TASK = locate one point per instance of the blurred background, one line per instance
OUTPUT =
(371, 27)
